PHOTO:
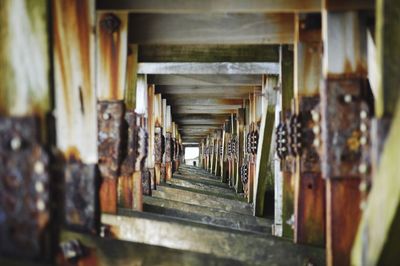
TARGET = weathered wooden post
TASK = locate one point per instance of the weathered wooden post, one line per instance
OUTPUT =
(169, 148)
(151, 133)
(378, 233)
(158, 138)
(305, 132)
(264, 173)
(25, 191)
(287, 160)
(112, 50)
(344, 110)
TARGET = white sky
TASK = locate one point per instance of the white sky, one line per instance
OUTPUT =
(191, 152)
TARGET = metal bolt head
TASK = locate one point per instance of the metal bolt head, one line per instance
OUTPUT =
(16, 143)
(38, 167)
(316, 129)
(363, 140)
(315, 116)
(363, 114)
(40, 205)
(106, 116)
(362, 168)
(39, 187)
(363, 127)
(348, 98)
(316, 142)
(363, 186)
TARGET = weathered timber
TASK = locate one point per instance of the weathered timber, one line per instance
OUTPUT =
(378, 233)
(387, 36)
(105, 251)
(204, 80)
(131, 77)
(75, 100)
(26, 181)
(209, 68)
(230, 6)
(208, 53)
(287, 89)
(24, 58)
(151, 133)
(202, 199)
(309, 185)
(211, 216)
(112, 49)
(211, 28)
(264, 148)
(344, 69)
(379, 228)
(222, 242)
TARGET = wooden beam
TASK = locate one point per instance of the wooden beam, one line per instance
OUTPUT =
(131, 77)
(229, 6)
(387, 36)
(211, 28)
(112, 48)
(24, 59)
(202, 110)
(203, 101)
(75, 96)
(205, 80)
(209, 68)
(263, 174)
(208, 53)
(205, 92)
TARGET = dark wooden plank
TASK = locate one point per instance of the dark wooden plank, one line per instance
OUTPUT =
(210, 6)
(211, 28)
(208, 53)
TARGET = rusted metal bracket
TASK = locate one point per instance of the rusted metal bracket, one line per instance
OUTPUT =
(81, 196)
(146, 182)
(110, 125)
(308, 134)
(110, 119)
(344, 128)
(25, 209)
(159, 145)
(254, 142)
(169, 149)
(282, 140)
(244, 173)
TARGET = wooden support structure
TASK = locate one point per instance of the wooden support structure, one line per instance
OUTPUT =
(151, 134)
(378, 232)
(112, 29)
(26, 201)
(309, 186)
(264, 174)
(287, 165)
(344, 70)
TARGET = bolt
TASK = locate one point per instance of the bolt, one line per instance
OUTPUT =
(363, 114)
(316, 129)
(40, 205)
(363, 127)
(39, 186)
(363, 186)
(362, 168)
(106, 116)
(38, 167)
(363, 205)
(363, 140)
(16, 143)
(316, 142)
(315, 116)
(110, 23)
(348, 98)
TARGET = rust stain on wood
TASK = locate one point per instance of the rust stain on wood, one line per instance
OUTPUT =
(343, 216)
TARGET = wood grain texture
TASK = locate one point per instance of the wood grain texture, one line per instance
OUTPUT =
(197, 80)
(208, 53)
(131, 77)
(211, 28)
(209, 68)
(343, 200)
(112, 49)
(24, 58)
(74, 70)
